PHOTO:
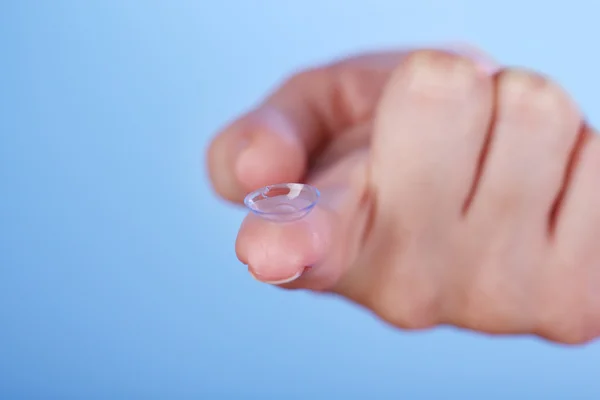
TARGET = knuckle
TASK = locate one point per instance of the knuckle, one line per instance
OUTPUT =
(310, 76)
(562, 324)
(563, 304)
(436, 74)
(355, 92)
(533, 95)
(568, 330)
(360, 88)
(414, 306)
(494, 301)
(218, 163)
(592, 326)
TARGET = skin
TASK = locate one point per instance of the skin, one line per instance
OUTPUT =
(454, 192)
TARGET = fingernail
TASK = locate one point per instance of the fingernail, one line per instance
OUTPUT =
(283, 202)
(278, 282)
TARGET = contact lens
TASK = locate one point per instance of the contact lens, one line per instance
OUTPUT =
(283, 202)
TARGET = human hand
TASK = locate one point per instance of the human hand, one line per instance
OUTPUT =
(452, 193)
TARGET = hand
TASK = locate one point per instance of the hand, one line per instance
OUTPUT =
(451, 193)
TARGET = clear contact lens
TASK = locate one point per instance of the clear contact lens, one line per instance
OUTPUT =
(283, 202)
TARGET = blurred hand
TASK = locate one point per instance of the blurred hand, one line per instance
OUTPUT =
(453, 192)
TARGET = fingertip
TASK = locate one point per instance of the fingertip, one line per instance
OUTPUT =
(221, 155)
(275, 252)
(273, 155)
(257, 150)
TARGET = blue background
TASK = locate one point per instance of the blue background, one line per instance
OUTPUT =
(117, 272)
